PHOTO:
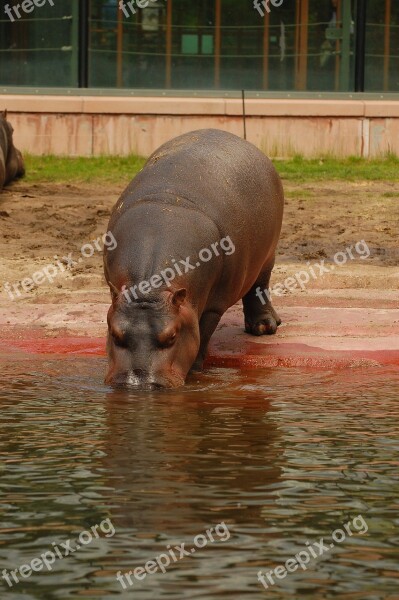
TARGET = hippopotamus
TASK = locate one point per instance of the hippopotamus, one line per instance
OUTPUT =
(11, 161)
(196, 231)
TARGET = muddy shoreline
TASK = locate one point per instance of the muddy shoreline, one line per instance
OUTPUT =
(43, 224)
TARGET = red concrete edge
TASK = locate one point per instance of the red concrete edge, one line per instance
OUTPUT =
(252, 356)
(332, 360)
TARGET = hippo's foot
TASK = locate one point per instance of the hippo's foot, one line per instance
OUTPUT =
(265, 323)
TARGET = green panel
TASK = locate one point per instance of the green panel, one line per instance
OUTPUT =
(190, 44)
(207, 46)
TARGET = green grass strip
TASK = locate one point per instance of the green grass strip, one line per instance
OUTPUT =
(117, 169)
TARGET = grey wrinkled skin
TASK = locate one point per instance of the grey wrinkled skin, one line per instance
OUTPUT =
(195, 190)
(11, 161)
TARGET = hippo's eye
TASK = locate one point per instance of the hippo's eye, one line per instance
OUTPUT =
(166, 341)
(118, 340)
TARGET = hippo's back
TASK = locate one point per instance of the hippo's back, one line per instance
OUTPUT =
(218, 172)
(208, 175)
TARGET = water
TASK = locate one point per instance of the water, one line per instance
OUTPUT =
(281, 457)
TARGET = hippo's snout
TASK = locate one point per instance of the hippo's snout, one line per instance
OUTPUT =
(141, 380)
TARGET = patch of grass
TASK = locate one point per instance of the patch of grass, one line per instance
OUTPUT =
(299, 194)
(118, 169)
(348, 169)
(106, 169)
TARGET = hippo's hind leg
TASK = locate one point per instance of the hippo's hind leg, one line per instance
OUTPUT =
(259, 314)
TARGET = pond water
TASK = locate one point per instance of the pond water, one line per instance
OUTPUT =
(274, 460)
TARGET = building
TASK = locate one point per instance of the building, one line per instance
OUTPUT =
(291, 50)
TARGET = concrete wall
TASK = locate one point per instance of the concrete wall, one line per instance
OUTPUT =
(93, 125)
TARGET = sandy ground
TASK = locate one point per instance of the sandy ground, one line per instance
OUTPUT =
(42, 223)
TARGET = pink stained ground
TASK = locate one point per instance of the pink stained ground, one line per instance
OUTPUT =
(345, 318)
(310, 336)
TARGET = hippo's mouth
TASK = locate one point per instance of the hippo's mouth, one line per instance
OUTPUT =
(132, 380)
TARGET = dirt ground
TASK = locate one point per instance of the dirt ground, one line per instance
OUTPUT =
(41, 223)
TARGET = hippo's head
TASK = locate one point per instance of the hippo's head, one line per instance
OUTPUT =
(14, 164)
(152, 341)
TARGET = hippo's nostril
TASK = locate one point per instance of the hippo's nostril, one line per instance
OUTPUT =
(140, 373)
(117, 378)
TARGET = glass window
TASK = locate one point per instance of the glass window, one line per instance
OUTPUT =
(256, 45)
(382, 46)
(330, 47)
(39, 48)
(127, 44)
(223, 44)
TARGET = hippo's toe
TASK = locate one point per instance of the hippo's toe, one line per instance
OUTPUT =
(267, 325)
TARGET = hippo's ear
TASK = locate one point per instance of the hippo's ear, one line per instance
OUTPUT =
(179, 297)
(4, 114)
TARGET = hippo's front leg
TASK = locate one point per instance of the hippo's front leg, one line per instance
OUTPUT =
(259, 314)
(208, 323)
